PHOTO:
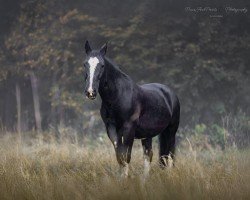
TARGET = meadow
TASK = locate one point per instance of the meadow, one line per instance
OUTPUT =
(39, 167)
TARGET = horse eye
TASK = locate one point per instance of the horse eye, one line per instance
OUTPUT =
(102, 66)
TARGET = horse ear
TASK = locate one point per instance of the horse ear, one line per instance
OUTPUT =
(87, 47)
(103, 49)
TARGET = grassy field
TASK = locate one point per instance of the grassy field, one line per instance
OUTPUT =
(39, 169)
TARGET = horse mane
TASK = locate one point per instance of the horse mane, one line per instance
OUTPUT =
(110, 63)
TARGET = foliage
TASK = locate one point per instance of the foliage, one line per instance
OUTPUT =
(205, 60)
(218, 135)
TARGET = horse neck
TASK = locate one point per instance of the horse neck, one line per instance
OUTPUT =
(112, 75)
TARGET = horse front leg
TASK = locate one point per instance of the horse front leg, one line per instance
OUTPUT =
(124, 147)
(110, 125)
(112, 134)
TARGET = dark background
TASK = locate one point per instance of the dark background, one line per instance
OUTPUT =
(204, 56)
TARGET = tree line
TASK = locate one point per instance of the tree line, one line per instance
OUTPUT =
(204, 59)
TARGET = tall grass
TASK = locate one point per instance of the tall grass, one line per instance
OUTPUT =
(35, 169)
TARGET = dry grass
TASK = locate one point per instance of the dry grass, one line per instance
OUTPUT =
(37, 170)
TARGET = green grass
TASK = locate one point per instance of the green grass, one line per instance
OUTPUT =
(35, 169)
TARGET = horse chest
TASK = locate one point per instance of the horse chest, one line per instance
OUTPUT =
(116, 112)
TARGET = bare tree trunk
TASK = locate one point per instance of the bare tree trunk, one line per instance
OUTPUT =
(54, 108)
(34, 85)
(54, 100)
(9, 101)
(18, 102)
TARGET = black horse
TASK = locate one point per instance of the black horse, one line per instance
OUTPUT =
(130, 111)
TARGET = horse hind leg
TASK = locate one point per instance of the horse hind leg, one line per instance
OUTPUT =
(147, 155)
(167, 145)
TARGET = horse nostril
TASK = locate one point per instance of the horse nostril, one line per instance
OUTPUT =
(91, 94)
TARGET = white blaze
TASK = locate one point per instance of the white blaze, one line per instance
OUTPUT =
(93, 61)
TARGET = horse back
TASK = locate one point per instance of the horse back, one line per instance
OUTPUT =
(159, 95)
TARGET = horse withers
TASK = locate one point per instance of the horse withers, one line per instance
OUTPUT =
(130, 111)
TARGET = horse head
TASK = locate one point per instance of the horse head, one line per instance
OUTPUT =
(94, 68)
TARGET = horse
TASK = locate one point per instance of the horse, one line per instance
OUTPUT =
(131, 111)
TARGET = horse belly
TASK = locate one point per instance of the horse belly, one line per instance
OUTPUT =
(150, 125)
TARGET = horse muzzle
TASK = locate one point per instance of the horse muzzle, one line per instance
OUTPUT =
(91, 94)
